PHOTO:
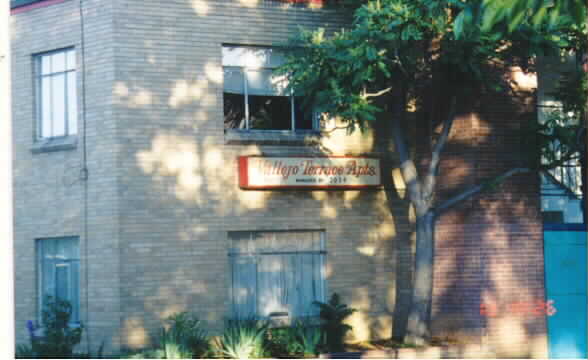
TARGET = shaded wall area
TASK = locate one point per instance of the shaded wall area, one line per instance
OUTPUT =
(49, 193)
(489, 249)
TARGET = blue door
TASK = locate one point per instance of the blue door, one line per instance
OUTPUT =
(565, 277)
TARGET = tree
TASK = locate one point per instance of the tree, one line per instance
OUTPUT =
(568, 16)
(393, 49)
(538, 13)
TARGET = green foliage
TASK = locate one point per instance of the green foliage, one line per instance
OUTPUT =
(557, 139)
(282, 342)
(550, 14)
(25, 352)
(333, 315)
(409, 42)
(308, 338)
(58, 337)
(185, 338)
(303, 338)
(243, 339)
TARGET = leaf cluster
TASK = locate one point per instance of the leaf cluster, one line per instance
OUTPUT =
(552, 15)
(184, 338)
(58, 337)
(405, 44)
(333, 314)
(243, 339)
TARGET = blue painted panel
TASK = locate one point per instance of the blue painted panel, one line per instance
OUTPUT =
(567, 327)
(565, 269)
(565, 276)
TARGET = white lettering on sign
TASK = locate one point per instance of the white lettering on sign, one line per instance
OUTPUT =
(256, 172)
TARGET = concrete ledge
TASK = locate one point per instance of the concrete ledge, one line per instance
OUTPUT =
(58, 144)
(271, 137)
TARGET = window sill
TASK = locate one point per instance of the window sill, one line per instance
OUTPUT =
(55, 144)
(271, 137)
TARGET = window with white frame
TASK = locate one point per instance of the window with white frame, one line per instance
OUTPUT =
(58, 272)
(256, 99)
(276, 274)
(56, 98)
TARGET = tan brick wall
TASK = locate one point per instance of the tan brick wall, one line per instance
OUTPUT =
(48, 191)
(178, 179)
(163, 181)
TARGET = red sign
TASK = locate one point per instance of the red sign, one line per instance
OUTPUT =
(342, 172)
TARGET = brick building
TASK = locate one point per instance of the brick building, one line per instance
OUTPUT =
(129, 118)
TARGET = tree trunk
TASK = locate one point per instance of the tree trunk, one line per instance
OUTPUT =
(418, 327)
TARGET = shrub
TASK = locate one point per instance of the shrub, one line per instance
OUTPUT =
(185, 338)
(332, 315)
(243, 339)
(281, 342)
(58, 338)
(25, 352)
(308, 338)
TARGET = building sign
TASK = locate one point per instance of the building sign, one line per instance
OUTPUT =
(344, 172)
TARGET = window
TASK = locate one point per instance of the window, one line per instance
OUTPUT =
(276, 274)
(256, 99)
(58, 272)
(561, 187)
(56, 94)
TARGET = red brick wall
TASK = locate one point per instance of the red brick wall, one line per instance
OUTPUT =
(489, 249)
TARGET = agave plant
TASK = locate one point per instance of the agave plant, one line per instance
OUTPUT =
(309, 338)
(332, 315)
(243, 339)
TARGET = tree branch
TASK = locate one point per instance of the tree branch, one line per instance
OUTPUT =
(407, 167)
(436, 153)
(478, 188)
(332, 130)
(366, 95)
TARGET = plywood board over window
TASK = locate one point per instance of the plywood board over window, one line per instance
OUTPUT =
(276, 274)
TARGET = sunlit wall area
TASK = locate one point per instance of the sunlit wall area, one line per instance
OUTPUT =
(179, 100)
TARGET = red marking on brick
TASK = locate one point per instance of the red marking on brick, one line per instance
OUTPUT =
(536, 308)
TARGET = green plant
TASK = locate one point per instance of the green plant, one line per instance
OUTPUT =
(24, 352)
(332, 315)
(243, 339)
(185, 338)
(308, 337)
(302, 339)
(281, 342)
(58, 336)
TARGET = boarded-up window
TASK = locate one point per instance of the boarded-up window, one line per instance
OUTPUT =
(276, 273)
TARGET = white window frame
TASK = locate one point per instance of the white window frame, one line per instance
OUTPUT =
(243, 68)
(70, 122)
(67, 263)
(254, 254)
